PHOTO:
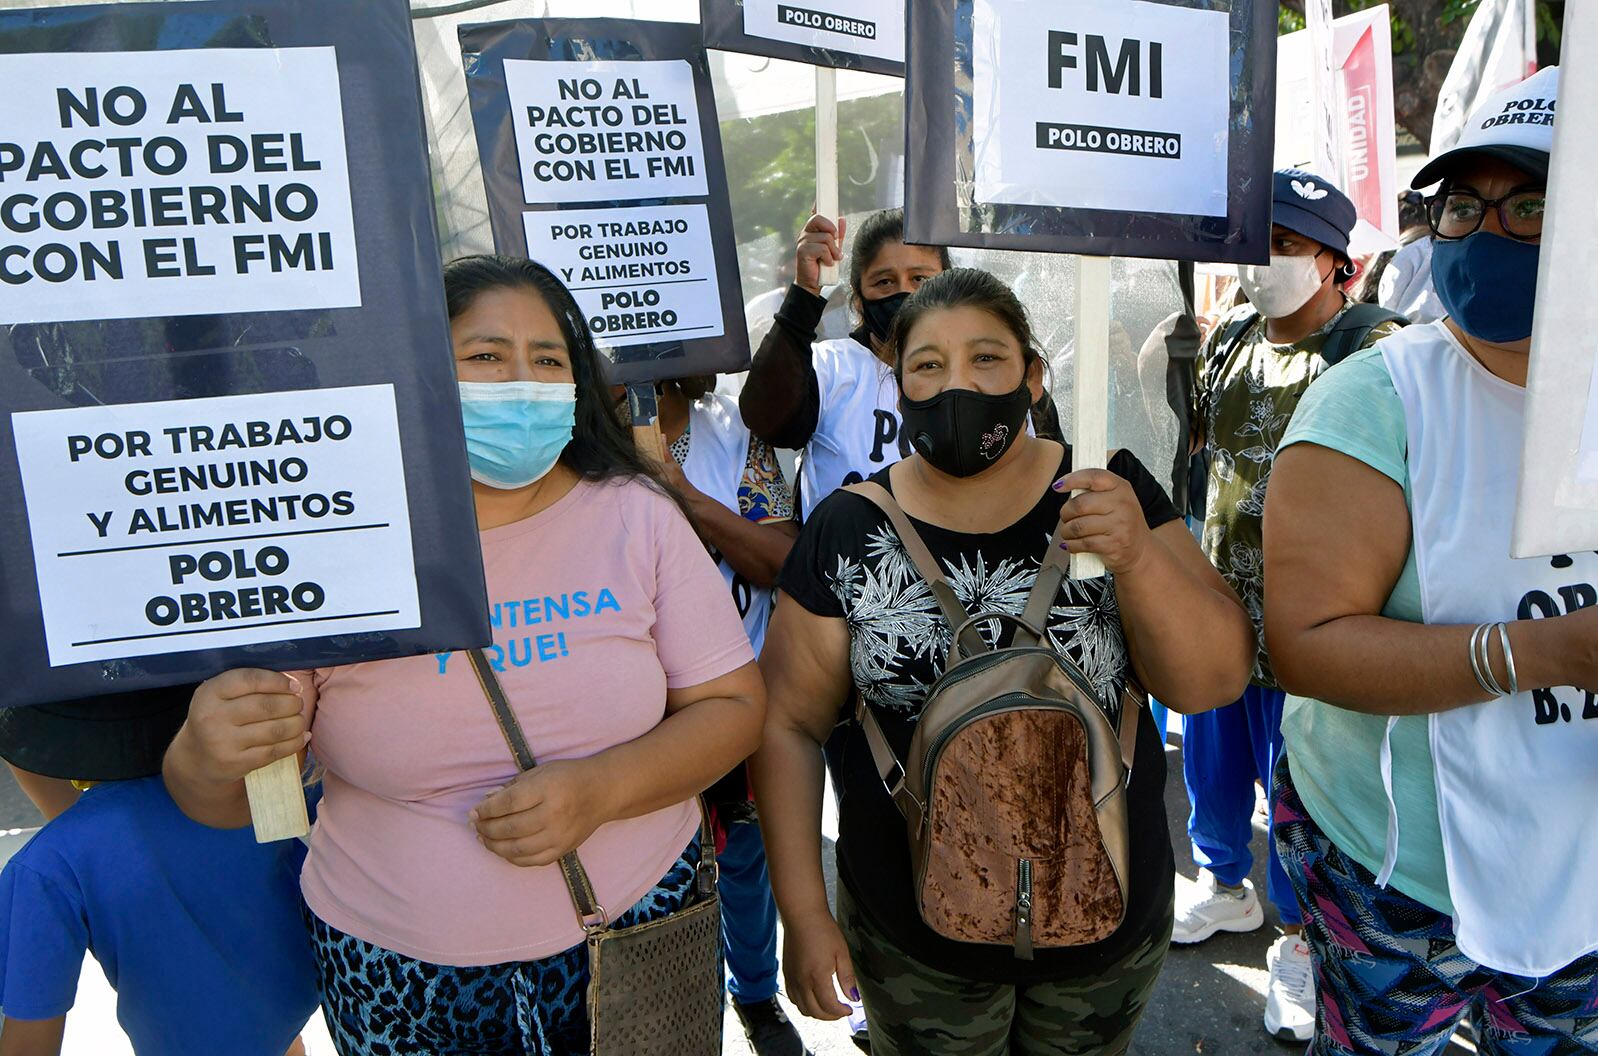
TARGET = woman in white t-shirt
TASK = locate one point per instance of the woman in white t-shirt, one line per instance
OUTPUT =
(836, 401)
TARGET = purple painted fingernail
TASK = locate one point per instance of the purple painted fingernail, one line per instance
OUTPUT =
(1065, 546)
(854, 992)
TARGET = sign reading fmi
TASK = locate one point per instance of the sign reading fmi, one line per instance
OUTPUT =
(1077, 94)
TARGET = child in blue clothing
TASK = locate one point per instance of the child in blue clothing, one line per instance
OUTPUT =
(198, 929)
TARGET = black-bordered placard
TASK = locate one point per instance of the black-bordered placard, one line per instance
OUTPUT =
(230, 431)
(865, 35)
(1107, 127)
(602, 159)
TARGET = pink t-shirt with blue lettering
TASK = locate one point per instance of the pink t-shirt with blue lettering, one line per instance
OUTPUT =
(599, 605)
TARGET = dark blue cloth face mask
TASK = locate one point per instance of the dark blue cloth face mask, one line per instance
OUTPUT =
(1488, 283)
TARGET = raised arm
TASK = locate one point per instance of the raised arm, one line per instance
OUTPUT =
(1337, 534)
(781, 399)
(806, 664)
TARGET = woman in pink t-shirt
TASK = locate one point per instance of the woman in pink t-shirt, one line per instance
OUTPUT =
(441, 922)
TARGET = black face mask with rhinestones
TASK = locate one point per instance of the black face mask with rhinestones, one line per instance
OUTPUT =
(962, 432)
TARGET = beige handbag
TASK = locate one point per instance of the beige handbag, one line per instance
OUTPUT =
(655, 989)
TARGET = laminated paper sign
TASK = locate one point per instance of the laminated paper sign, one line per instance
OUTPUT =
(602, 161)
(863, 35)
(1107, 127)
(229, 434)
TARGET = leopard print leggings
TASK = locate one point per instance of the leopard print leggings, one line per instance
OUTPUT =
(381, 1003)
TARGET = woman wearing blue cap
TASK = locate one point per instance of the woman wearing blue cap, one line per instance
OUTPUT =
(1251, 374)
(1435, 807)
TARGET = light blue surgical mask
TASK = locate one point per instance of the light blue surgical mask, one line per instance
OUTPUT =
(516, 430)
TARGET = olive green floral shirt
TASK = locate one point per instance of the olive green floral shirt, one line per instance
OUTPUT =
(1244, 396)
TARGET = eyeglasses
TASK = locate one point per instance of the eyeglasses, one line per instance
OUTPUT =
(1460, 213)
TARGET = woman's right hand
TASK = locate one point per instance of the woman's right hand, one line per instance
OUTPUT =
(240, 721)
(820, 245)
(813, 954)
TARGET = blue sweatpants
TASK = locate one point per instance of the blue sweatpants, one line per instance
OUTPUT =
(1223, 753)
(748, 916)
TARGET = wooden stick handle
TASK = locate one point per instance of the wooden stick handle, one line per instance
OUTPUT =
(827, 155)
(277, 801)
(1090, 417)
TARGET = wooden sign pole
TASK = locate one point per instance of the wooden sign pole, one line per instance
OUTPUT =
(827, 203)
(644, 404)
(1090, 412)
(277, 801)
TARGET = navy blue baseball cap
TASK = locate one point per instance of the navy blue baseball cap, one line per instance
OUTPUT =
(1310, 205)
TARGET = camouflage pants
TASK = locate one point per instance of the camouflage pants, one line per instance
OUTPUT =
(914, 1010)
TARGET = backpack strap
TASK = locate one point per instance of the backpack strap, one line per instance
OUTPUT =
(1133, 700)
(1353, 327)
(970, 642)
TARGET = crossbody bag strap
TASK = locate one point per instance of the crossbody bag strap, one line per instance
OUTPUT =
(970, 642)
(589, 912)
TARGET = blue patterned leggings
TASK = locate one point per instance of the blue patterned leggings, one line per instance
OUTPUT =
(381, 1003)
(1389, 980)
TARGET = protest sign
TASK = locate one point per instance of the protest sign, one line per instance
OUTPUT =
(602, 160)
(1364, 139)
(231, 433)
(1556, 512)
(1108, 127)
(865, 35)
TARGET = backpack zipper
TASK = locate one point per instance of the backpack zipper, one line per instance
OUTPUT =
(1023, 909)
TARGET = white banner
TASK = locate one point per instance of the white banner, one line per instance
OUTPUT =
(168, 183)
(1499, 49)
(606, 131)
(860, 27)
(1361, 107)
(1556, 511)
(641, 276)
(1101, 104)
(168, 527)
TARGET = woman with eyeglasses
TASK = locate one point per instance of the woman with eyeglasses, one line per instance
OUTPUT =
(1435, 806)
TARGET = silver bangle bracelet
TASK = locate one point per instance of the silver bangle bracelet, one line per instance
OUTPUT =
(1509, 659)
(1486, 648)
(1476, 637)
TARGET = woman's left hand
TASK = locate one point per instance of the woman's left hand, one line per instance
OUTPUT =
(545, 813)
(1106, 519)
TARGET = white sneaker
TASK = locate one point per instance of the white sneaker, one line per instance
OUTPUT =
(1290, 999)
(1204, 908)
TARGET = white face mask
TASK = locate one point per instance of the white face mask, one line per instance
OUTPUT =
(1282, 288)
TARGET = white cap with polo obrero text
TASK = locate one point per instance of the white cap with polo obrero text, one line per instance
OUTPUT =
(1516, 125)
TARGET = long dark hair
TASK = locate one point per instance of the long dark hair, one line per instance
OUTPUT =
(876, 231)
(601, 447)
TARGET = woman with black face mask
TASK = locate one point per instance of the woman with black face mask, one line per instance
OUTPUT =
(836, 400)
(1435, 804)
(986, 496)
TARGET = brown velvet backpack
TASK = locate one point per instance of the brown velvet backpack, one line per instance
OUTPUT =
(1014, 789)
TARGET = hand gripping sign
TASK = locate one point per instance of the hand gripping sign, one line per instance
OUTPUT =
(1117, 127)
(602, 160)
(230, 433)
(865, 35)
